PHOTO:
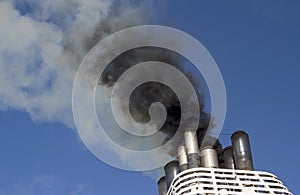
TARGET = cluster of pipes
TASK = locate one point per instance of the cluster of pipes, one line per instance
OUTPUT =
(237, 156)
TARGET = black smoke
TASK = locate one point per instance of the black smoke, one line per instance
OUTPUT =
(150, 92)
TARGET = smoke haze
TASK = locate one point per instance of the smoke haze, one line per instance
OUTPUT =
(43, 43)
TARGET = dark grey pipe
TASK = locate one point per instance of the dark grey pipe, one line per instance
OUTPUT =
(171, 170)
(228, 158)
(241, 151)
(162, 186)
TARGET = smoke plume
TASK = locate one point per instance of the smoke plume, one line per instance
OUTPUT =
(150, 92)
(43, 43)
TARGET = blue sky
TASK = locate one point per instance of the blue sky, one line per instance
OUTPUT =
(256, 46)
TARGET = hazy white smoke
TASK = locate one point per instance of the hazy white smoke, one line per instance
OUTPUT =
(43, 42)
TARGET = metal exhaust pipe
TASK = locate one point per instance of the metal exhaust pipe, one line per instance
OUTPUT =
(182, 158)
(209, 157)
(228, 158)
(192, 148)
(241, 151)
(171, 170)
(162, 186)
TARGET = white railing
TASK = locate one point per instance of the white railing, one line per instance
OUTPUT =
(214, 181)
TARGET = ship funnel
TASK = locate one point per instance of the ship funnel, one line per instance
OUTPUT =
(182, 158)
(171, 170)
(192, 148)
(228, 158)
(162, 186)
(209, 157)
(241, 151)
